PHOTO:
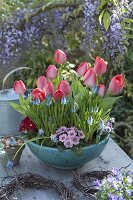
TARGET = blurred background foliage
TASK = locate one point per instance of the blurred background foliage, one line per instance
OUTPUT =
(31, 30)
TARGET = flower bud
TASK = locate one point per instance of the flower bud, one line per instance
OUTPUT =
(116, 84)
(65, 87)
(101, 90)
(82, 69)
(38, 94)
(19, 87)
(51, 72)
(89, 78)
(60, 56)
(100, 66)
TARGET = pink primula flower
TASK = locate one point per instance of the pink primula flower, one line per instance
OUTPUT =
(81, 134)
(68, 143)
(75, 140)
(71, 133)
(62, 137)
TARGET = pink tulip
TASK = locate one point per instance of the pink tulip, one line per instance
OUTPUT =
(101, 90)
(65, 87)
(60, 56)
(49, 88)
(51, 72)
(100, 66)
(89, 78)
(38, 94)
(58, 95)
(82, 69)
(41, 82)
(19, 87)
(116, 84)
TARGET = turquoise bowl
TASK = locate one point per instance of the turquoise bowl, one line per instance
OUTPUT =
(67, 159)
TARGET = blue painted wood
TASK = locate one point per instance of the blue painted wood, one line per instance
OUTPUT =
(67, 159)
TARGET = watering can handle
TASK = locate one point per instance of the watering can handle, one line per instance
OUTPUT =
(11, 72)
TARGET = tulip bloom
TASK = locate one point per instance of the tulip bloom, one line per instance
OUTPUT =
(41, 82)
(58, 95)
(101, 90)
(19, 87)
(89, 78)
(60, 56)
(49, 88)
(116, 84)
(82, 69)
(38, 94)
(100, 66)
(51, 72)
(65, 87)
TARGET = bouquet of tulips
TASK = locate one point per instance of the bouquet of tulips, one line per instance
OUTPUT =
(67, 113)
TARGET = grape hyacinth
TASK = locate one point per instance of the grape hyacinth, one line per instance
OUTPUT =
(116, 186)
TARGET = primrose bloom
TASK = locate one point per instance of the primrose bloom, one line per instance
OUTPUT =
(75, 140)
(71, 133)
(62, 137)
(81, 134)
(68, 143)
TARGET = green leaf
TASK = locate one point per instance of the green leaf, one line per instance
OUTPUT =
(108, 102)
(129, 20)
(101, 16)
(106, 20)
(129, 36)
(102, 3)
(115, 2)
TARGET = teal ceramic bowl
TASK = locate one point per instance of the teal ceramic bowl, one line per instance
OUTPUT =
(67, 159)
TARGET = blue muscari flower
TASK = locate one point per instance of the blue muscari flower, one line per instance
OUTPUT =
(94, 89)
(91, 109)
(90, 120)
(115, 171)
(64, 100)
(107, 129)
(54, 138)
(95, 109)
(41, 132)
(12, 141)
(112, 196)
(10, 164)
(36, 102)
(49, 101)
(97, 182)
(101, 124)
(73, 108)
(27, 93)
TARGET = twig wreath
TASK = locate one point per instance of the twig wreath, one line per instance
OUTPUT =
(32, 180)
(86, 183)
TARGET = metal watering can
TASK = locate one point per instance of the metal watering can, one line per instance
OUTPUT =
(9, 118)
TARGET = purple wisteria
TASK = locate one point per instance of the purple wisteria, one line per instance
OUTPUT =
(90, 22)
(114, 39)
